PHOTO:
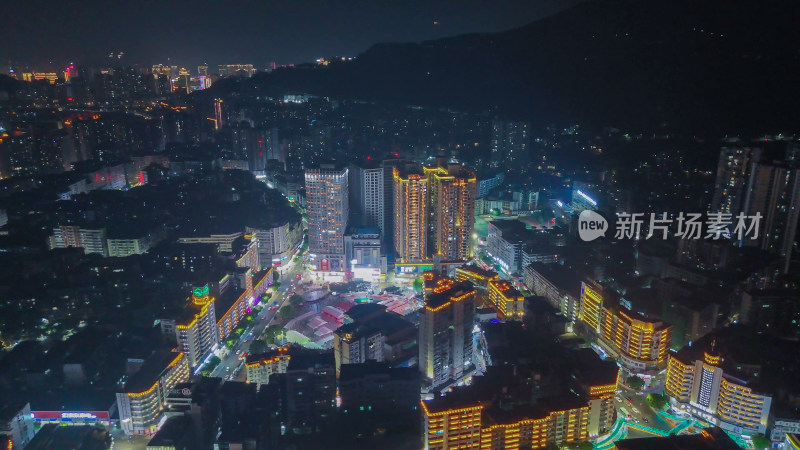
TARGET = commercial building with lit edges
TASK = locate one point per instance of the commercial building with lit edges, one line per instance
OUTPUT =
(506, 300)
(259, 368)
(141, 402)
(710, 381)
(497, 410)
(445, 331)
(195, 333)
(479, 277)
(639, 343)
(452, 201)
(411, 213)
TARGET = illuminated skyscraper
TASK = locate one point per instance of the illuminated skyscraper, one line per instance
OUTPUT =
(452, 202)
(327, 204)
(445, 330)
(774, 192)
(733, 173)
(411, 212)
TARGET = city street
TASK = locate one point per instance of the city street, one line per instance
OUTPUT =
(638, 409)
(287, 280)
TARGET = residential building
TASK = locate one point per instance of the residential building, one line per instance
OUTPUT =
(196, 332)
(773, 192)
(639, 343)
(506, 300)
(16, 423)
(511, 143)
(378, 388)
(90, 239)
(497, 411)
(367, 196)
(558, 284)
(733, 175)
(357, 343)
(259, 368)
(411, 213)
(327, 205)
(452, 190)
(488, 183)
(445, 331)
(277, 243)
(775, 312)
(141, 402)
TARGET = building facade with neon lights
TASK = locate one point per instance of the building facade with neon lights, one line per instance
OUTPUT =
(411, 213)
(639, 343)
(445, 331)
(196, 332)
(141, 402)
(703, 380)
(501, 410)
(453, 193)
(506, 300)
(259, 368)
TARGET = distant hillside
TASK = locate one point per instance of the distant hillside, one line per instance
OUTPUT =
(711, 65)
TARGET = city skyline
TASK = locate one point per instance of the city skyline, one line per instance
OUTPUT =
(581, 233)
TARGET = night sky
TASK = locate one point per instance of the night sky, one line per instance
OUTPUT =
(216, 32)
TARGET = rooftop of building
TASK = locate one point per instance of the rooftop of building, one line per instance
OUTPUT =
(268, 355)
(363, 232)
(562, 277)
(54, 437)
(365, 311)
(476, 270)
(310, 359)
(407, 169)
(9, 410)
(76, 398)
(539, 305)
(224, 302)
(504, 394)
(175, 430)
(506, 288)
(373, 368)
(762, 362)
(442, 294)
(152, 368)
(592, 370)
(231, 389)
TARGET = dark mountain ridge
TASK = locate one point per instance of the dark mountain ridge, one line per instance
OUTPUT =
(708, 66)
